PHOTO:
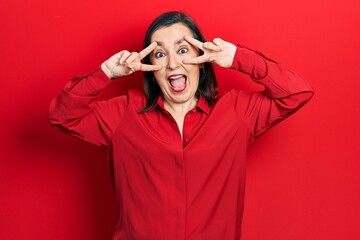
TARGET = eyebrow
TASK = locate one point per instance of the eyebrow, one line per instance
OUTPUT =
(177, 42)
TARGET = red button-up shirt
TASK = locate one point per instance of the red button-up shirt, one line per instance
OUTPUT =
(172, 187)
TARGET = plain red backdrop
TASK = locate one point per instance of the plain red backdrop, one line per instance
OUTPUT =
(303, 175)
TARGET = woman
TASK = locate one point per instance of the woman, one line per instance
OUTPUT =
(178, 152)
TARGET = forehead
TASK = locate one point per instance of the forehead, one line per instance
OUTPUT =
(170, 33)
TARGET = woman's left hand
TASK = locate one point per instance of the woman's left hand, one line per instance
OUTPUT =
(218, 51)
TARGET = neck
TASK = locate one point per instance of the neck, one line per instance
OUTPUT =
(180, 109)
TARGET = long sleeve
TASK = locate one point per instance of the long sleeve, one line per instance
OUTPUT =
(285, 92)
(77, 112)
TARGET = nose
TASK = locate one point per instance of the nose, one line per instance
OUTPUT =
(173, 62)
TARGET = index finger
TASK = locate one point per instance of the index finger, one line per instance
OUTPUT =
(149, 67)
(147, 50)
(194, 42)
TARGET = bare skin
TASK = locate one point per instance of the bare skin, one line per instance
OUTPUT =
(175, 60)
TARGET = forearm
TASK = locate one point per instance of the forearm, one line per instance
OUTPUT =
(77, 112)
(75, 99)
(285, 92)
(278, 80)
(88, 85)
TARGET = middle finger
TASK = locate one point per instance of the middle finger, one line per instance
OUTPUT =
(147, 50)
(194, 42)
(132, 57)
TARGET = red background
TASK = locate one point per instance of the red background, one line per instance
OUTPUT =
(303, 175)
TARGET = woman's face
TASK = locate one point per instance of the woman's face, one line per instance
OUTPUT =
(178, 82)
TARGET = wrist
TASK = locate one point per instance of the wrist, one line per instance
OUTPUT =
(106, 70)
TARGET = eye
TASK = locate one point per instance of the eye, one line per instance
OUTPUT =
(159, 54)
(183, 50)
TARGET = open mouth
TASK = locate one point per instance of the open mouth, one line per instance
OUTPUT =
(177, 82)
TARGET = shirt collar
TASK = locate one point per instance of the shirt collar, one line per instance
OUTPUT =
(201, 104)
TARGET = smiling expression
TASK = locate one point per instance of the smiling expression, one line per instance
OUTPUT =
(178, 81)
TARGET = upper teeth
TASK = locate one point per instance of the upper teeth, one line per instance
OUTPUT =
(175, 77)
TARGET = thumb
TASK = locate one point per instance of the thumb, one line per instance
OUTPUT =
(218, 41)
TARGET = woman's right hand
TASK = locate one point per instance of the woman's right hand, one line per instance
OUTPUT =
(125, 63)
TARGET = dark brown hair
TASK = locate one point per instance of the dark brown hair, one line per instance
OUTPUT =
(207, 80)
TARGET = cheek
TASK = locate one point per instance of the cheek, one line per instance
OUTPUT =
(157, 74)
(158, 61)
(160, 77)
(194, 70)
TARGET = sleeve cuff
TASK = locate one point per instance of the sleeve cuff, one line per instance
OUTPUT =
(89, 84)
(249, 62)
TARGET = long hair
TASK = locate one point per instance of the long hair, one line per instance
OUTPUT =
(207, 80)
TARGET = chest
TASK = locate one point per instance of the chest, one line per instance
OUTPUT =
(199, 130)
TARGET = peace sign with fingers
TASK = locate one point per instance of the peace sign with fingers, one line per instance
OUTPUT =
(125, 63)
(218, 51)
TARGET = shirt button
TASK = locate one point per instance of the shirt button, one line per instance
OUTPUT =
(186, 140)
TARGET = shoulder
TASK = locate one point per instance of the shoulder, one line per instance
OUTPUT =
(136, 98)
(236, 99)
(135, 94)
(232, 94)
(133, 97)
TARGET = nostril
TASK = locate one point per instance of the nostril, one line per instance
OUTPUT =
(173, 64)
